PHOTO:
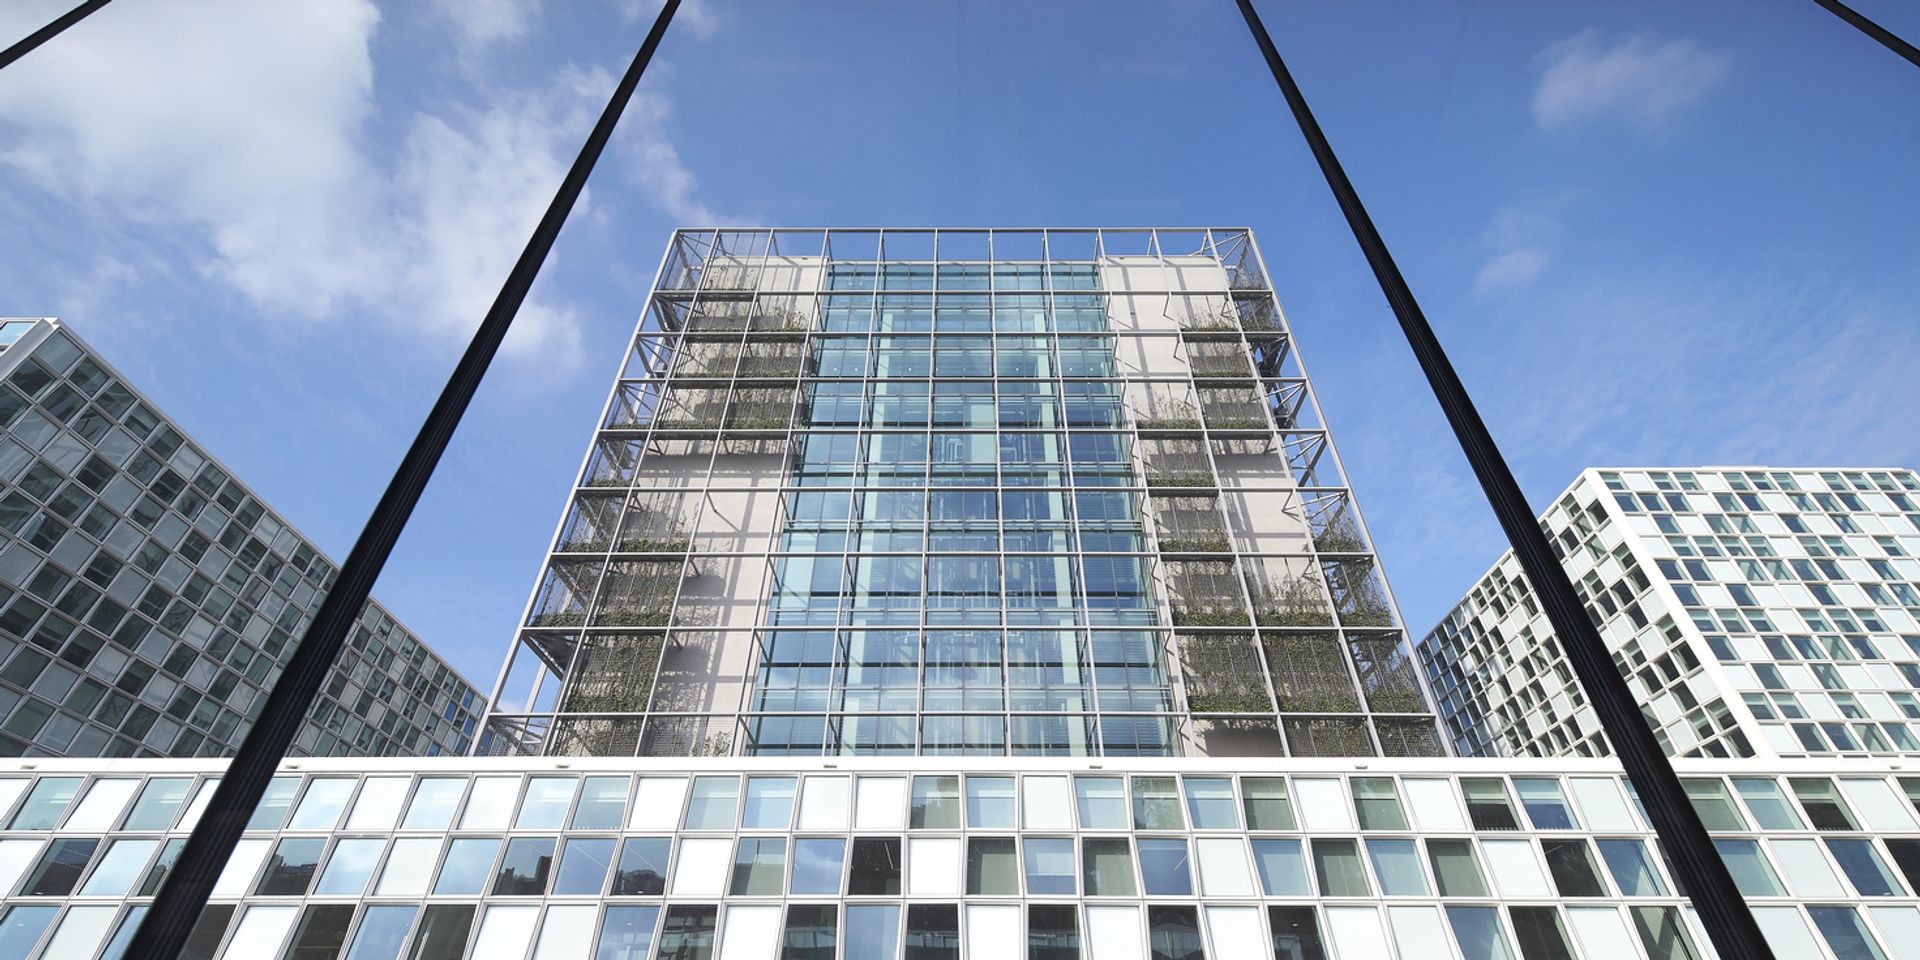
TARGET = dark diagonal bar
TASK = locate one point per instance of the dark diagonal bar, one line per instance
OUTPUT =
(171, 918)
(1698, 865)
(1860, 22)
(48, 32)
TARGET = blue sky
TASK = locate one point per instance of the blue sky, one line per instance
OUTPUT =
(1649, 233)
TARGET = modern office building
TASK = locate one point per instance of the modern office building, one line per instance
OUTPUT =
(1038, 493)
(961, 594)
(148, 599)
(1755, 611)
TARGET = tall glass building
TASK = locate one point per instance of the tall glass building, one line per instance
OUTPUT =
(1028, 492)
(148, 598)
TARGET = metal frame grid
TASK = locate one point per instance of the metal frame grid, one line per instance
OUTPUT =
(1819, 845)
(738, 359)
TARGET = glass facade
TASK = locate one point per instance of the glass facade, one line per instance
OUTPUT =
(1018, 492)
(1755, 611)
(758, 859)
(148, 599)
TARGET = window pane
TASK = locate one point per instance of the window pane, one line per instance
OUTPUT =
(1165, 868)
(816, 864)
(1545, 805)
(1173, 933)
(1662, 933)
(1416, 930)
(321, 933)
(350, 866)
(1156, 805)
(378, 806)
(1397, 864)
(872, 932)
(1378, 804)
(524, 870)
(1053, 932)
(382, 932)
(1767, 803)
(933, 932)
(657, 800)
(812, 932)
(1455, 870)
(261, 932)
(627, 933)
(434, 800)
(1806, 869)
(1600, 931)
(159, 802)
(1862, 865)
(1906, 856)
(936, 803)
(1108, 865)
(603, 803)
(409, 867)
(1715, 807)
(468, 867)
(291, 868)
(751, 932)
(1514, 868)
(687, 933)
(321, 805)
(1266, 803)
(1541, 935)
(1102, 802)
(991, 868)
(21, 928)
(1282, 865)
(584, 863)
(102, 805)
(546, 802)
(1822, 803)
(45, 803)
(1210, 803)
(162, 865)
(208, 931)
(1337, 864)
(990, 802)
(1632, 871)
(643, 867)
(119, 868)
(714, 805)
(59, 868)
(769, 803)
(1487, 804)
(1571, 865)
(1845, 933)
(874, 869)
(759, 865)
(490, 805)
(1296, 934)
(1049, 866)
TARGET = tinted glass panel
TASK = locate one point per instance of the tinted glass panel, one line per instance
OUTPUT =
(443, 932)
(1477, 931)
(627, 933)
(1455, 869)
(468, 867)
(349, 866)
(936, 803)
(1156, 805)
(989, 801)
(1574, 872)
(1053, 932)
(59, 868)
(874, 869)
(812, 932)
(1540, 933)
(1282, 865)
(1049, 866)
(1165, 868)
(933, 932)
(1545, 805)
(584, 863)
(872, 932)
(1337, 865)
(643, 867)
(1632, 872)
(816, 864)
(1108, 865)
(1210, 803)
(1296, 934)
(759, 865)
(687, 933)
(45, 803)
(603, 802)
(1267, 805)
(1662, 933)
(524, 870)
(159, 803)
(1173, 933)
(1102, 802)
(291, 868)
(321, 933)
(1397, 864)
(382, 932)
(1864, 867)
(769, 803)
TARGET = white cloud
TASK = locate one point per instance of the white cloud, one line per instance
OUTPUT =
(480, 24)
(1510, 270)
(1638, 78)
(654, 164)
(236, 134)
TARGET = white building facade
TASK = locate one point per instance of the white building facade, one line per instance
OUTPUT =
(1755, 611)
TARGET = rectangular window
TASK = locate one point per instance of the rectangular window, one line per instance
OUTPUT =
(1108, 866)
(1632, 871)
(990, 802)
(1102, 802)
(468, 866)
(1378, 804)
(769, 804)
(1173, 933)
(1210, 803)
(1571, 865)
(1296, 934)
(1455, 870)
(584, 863)
(350, 866)
(1336, 863)
(933, 932)
(603, 804)
(1845, 933)
(1282, 866)
(1156, 804)
(60, 867)
(1822, 803)
(687, 933)
(627, 933)
(1266, 803)
(759, 864)
(875, 867)
(159, 802)
(524, 870)
(936, 803)
(1863, 866)
(1716, 809)
(1544, 803)
(433, 803)
(1767, 804)
(1053, 932)
(1662, 933)
(1541, 935)
(443, 931)
(1166, 868)
(322, 804)
(991, 867)
(47, 801)
(873, 931)
(817, 863)
(322, 931)
(291, 868)
(1487, 804)
(1477, 931)
(643, 867)
(1397, 864)
(119, 868)
(383, 930)
(812, 932)
(1049, 862)
(714, 805)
